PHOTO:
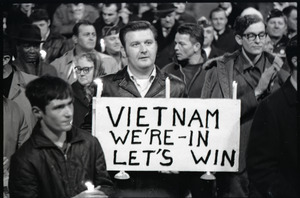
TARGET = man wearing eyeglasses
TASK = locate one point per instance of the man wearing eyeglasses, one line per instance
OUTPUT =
(257, 74)
(84, 37)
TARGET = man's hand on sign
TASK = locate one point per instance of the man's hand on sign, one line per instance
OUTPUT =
(169, 172)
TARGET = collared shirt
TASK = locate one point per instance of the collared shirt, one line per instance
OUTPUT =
(142, 85)
(207, 51)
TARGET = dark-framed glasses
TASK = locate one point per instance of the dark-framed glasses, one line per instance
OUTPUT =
(85, 70)
(252, 36)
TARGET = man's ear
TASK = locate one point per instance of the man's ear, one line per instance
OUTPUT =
(75, 39)
(37, 112)
(49, 23)
(294, 61)
(197, 46)
(238, 39)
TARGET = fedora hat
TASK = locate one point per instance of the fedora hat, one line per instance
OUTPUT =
(29, 33)
(165, 8)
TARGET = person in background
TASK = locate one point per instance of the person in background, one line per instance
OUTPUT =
(290, 13)
(113, 46)
(166, 27)
(257, 74)
(87, 69)
(276, 29)
(57, 159)
(28, 52)
(183, 15)
(272, 154)
(15, 133)
(109, 17)
(223, 34)
(210, 50)
(189, 58)
(54, 44)
(141, 78)
(67, 15)
(14, 82)
(84, 37)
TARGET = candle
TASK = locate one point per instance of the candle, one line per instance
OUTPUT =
(168, 87)
(90, 186)
(99, 84)
(234, 90)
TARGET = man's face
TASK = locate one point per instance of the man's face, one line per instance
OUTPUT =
(85, 78)
(29, 52)
(43, 25)
(183, 46)
(140, 47)
(168, 21)
(208, 36)
(219, 20)
(86, 37)
(110, 14)
(58, 115)
(180, 7)
(276, 27)
(256, 46)
(112, 44)
(292, 20)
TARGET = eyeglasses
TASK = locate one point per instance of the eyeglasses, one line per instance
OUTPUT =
(252, 36)
(85, 70)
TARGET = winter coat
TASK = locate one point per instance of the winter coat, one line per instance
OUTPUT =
(40, 169)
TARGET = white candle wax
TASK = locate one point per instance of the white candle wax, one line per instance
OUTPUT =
(90, 186)
(168, 87)
(99, 83)
(234, 90)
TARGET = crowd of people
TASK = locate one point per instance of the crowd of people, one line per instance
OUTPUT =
(52, 54)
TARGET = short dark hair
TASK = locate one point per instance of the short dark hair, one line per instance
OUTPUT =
(291, 50)
(217, 9)
(275, 13)
(77, 25)
(136, 26)
(287, 10)
(41, 91)
(241, 23)
(195, 31)
(118, 5)
(39, 15)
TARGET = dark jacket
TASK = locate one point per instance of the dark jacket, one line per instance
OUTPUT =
(55, 46)
(40, 169)
(165, 51)
(215, 52)
(39, 69)
(81, 104)
(218, 84)
(272, 154)
(193, 90)
(226, 41)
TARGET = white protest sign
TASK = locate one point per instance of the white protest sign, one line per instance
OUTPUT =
(153, 134)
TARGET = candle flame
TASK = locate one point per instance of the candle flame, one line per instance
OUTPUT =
(89, 185)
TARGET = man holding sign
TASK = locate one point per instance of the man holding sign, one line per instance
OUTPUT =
(257, 73)
(142, 78)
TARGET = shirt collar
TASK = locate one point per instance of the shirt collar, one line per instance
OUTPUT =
(151, 76)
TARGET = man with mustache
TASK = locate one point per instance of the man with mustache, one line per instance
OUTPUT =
(257, 73)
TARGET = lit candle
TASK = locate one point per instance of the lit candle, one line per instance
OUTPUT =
(234, 90)
(90, 186)
(168, 87)
(99, 83)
